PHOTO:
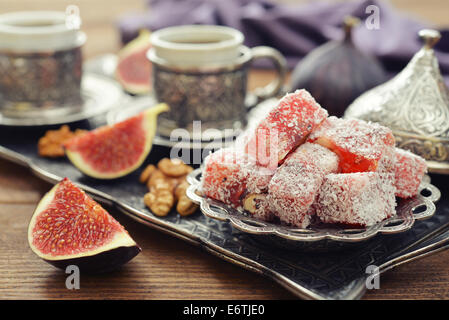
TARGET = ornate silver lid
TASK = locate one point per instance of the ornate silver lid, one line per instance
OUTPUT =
(415, 105)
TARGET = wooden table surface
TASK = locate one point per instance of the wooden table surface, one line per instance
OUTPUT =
(167, 268)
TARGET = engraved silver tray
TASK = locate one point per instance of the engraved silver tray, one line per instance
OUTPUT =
(408, 211)
(321, 275)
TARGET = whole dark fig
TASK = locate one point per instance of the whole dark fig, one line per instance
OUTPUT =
(337, 72)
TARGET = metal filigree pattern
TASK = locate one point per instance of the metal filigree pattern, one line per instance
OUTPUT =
(40, 80)
(98, 95)
(216, 95)
(217, 99)
(432, 150)
(414, 104)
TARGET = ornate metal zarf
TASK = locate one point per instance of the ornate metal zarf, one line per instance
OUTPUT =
(415, 105)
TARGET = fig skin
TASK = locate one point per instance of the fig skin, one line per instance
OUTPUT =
(336, 73)
(137, 50)
(103, 262)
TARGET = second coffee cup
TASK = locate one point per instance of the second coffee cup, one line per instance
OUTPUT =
(201, 71)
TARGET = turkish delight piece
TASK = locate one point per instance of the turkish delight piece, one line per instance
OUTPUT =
(387, 164)
(320, 156)
(285, 127)
(386, 167)
(358, 199)
(360, 145)
(223, 178)
(257, 177)
(409, 171)
(295, 185)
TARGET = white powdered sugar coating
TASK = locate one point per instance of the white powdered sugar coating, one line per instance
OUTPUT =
(257, 178)
(307, 182)
(386, 168)
(360, 199)
(361, 138)
(297, 112)
(286, 126)
(229, 174)
(223, 176)
(322, 157)
(387, 162)
(409, 171)
(295, 185)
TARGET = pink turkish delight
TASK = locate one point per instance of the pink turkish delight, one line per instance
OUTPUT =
(285, 127)
(360, 145)
(296, 183)
(230, 175)
(358, 199)
(257, 177)
(409, 171)
(223, 178)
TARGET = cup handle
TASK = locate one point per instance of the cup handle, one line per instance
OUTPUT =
(275, 86)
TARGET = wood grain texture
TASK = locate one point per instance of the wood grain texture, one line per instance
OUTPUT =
(167, 268)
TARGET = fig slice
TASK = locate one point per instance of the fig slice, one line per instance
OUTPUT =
(69, 228)
(111, 152)
(133, 67)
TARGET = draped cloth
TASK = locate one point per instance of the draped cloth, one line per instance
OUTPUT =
(295, 30)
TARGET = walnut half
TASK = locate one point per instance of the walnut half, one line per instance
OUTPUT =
(257, 205)
(167, 185)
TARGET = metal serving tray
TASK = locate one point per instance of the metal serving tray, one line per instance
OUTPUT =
(311, 275)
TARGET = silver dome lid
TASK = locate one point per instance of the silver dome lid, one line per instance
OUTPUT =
(415, 105)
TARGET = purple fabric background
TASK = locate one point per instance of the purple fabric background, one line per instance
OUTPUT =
(295, 30)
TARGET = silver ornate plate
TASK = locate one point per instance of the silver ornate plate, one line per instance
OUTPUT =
(99, 95)
(408, 210)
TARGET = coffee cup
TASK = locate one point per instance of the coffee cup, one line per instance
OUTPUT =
(40, 63)
(201, 72)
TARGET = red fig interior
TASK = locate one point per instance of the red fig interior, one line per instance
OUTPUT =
(68, 225)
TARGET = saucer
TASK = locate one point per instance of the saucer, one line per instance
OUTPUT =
(99, 94)
(135, 105)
